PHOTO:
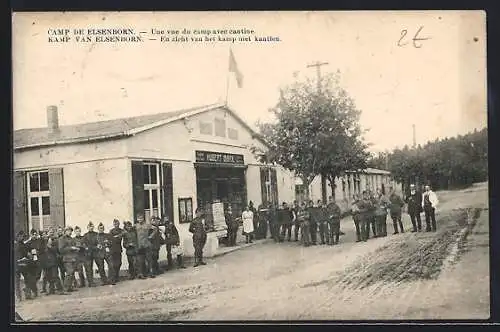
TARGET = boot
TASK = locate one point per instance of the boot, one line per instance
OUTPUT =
(196, 263)
(179, 262)
(27, 294)
(395, 225)
(401, 226)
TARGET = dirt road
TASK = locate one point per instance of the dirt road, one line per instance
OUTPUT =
(441, 275)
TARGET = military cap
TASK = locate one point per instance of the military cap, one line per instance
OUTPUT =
(76, 227)
(33, 231)
(91, 224)
(115, 220)
(68, 228)
(100, 225)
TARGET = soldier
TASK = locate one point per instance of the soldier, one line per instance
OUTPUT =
(323, 223)
(69, 252)
(365, 215)
(116, 238)
(80, 243)
(144, 253)
(197, 228)
(232, 226)
(36, 247)
(313, 224)
(24, 267)
(396, 204)
(356, 216)
(90, 242)
(103, 254)
(296, 222)
(255, 221)
(333, 214)
(60, 264)
(173, 244)
(414, 201)
(130, 245)
(304, 219)
(429, 204)
(157, 240)
(50, 265)
(373, 215)
(382, 203)
(286, 228)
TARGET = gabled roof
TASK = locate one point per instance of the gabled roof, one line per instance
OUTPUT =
(111, 129)
(370, 170)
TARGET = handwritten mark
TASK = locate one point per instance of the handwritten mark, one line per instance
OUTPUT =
(416, 40)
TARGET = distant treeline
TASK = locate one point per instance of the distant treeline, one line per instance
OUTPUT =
(444, 164)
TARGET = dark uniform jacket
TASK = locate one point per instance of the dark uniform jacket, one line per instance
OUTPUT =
(103, 245)
(143, 241)
(130, 242)
(198, 229)
(171, 234)
(155, 238)
(50, 259)
(333, 212)
(303, 217)
(365, 207)
(65, 245)
(90, 240)
(381, 206)
(116, 236)
(396, 204)
(80, 243)
(414, 203)
(232, 224)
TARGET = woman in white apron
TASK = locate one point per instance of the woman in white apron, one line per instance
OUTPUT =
(247, 217)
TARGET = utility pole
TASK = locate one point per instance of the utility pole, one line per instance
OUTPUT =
(318, 65)
(414, 136)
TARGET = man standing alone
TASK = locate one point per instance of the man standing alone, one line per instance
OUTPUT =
(429, 204)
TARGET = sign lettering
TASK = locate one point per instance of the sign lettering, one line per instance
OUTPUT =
(218, 157)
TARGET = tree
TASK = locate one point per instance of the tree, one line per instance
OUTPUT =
(316, 131)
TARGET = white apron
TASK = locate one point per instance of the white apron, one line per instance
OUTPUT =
(247, 218)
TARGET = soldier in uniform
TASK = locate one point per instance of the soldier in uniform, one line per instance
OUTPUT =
(296, 222)
(322, 223)
(25, 266)
(382, 203)
(197, 228)
(144, 253)
(36, 247)
(333, 214)
(313, 224)
(395, 207)
(286, 228)
(157, 240)
(356, 216)
(103, 254)
(130, 245)
(80, 243)
(60, 263)
(414, 201)
(373, 215)
(232, 226)
(90, 243)
(429, 204)
(255, 235)
(69, 252)
(304, 221)
(173, 244)
(365, 207)
(116, 238)
(50, 265)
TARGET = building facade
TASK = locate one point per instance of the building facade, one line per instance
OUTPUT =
(164, 164)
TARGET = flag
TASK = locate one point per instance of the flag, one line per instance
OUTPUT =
(233, 67)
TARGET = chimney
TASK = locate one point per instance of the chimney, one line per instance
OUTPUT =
(52, 119)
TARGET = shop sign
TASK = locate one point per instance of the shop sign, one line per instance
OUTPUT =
(218, 157)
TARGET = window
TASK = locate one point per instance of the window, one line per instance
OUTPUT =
(205, 128)
(220, 127)
(152, 204)
(39, 199)
(185, 210)
(232, 133)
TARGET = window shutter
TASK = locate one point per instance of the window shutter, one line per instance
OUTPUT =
(56, 187)
(274, 186)
(19, 193)
(168, 191)
(137, 188)
(263, 190)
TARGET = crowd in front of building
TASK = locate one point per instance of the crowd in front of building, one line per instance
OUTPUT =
(56, 256)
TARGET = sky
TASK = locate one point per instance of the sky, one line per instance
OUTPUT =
(440, 86)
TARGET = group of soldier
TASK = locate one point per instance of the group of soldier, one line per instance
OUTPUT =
(54, 257)
(320, 223)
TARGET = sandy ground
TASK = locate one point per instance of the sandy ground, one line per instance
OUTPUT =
(437, 275)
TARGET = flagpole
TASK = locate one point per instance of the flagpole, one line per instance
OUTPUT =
(227, 78)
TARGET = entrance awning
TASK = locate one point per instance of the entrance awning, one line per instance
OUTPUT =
(219, 165)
